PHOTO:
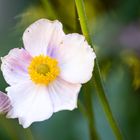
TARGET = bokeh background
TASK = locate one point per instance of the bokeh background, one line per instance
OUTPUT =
(115, 29)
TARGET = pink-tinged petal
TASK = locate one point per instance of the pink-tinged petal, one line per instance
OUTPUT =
(5, 103)
(15, 66)
(31, 103)
(76, 59)
(64, 95)
(42, 36)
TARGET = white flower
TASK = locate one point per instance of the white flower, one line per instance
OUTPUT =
(46, 75)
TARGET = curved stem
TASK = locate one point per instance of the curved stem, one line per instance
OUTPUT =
(104, 102)
(83, 19)
(97, 78)
(49, 8)
(28, 134)
(89, 110)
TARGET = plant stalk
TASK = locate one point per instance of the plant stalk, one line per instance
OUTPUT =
(97, 77)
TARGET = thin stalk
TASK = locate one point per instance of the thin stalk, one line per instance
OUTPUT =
(103, 99)
(28, 134)
(82, 108)
(49, 8)
(89, 110)
(97, 78)
(83, 19)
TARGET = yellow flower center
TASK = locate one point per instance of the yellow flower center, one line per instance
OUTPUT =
(43, 69)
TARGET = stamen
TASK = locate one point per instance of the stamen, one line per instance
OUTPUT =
(43, 69)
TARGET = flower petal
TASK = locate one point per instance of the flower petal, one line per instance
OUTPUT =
(64, 95)
(14, 66)
(41, 35)
(5, 104)
(76, 59)
(30, 103)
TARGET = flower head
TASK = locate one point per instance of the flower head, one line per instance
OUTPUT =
(46, 75)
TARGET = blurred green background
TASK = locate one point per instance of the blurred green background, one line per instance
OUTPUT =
(115, 29)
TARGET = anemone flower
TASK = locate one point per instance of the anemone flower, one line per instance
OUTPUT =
(46, 75)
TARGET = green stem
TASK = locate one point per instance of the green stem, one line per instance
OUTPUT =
(28, 134)
(82, 108)
(97, 78)
(49, 8)
(103, 99)
(83, 19)
(89, 110)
